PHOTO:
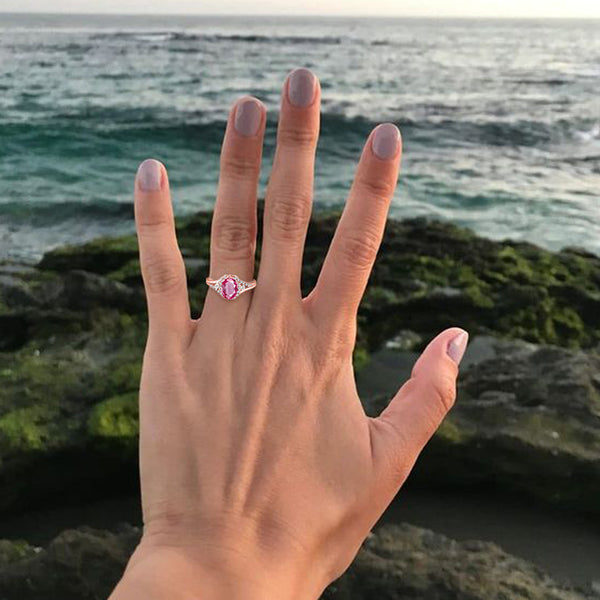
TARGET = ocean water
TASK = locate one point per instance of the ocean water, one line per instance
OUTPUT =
(500, 119)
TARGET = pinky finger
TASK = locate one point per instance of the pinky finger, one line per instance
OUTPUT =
(162, 265)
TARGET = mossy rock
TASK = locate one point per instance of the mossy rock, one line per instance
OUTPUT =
(116, 419)
(526, 422)
(74, 330)
(395, 561)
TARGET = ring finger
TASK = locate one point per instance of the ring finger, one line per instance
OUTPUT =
(233, 231)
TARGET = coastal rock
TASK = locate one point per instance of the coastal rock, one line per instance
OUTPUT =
(526, 420)
(396, 562)
(403, 562)
(428, 275)
(73, 332)
(82, 564)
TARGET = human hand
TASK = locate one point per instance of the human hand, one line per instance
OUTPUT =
(261, 474)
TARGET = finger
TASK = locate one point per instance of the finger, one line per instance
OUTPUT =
(162, 266)
(350, 258)
(233, 231)
(288, 198)
(416, 411)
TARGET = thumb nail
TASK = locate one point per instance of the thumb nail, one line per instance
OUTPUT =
(457, 346)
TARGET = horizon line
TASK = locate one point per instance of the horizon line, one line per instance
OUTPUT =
(296, 15)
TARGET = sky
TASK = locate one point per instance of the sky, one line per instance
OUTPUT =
(441, 8)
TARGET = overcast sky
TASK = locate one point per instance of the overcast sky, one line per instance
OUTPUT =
(489, 8)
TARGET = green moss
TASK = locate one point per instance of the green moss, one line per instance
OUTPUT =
(14, 550)
(36, 376)
(450, 432)
(70, 358)
(130, 272)
(115, 418)
(547, 321)
(102, 255)
(513, 266)
(24, 429)
(360, 358)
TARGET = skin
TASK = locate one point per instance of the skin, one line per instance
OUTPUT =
(261, 474)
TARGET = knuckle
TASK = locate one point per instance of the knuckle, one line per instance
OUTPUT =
(163, 274)
(337, 345)
(443, 391)
(240, 167)
(290, 213)
(359, 248)
(154, 226)
(273, 342)
(298, 136)
(394, 452)
(376, 186)
(234, 237)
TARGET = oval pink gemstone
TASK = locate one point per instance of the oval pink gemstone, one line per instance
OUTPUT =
(230, 288)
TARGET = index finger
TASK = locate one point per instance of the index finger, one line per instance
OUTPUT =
(162, 266)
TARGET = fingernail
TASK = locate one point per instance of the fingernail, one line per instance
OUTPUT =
(301, 87)
(149, 175)
(457, 346)
(386, 140)
(248, 114)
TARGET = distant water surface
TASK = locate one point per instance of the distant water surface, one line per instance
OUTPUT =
(500, 119)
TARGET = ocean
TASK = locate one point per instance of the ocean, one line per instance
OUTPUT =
(500, 118)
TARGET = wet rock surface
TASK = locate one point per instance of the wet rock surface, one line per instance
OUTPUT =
(396, 562)
(527, 419)
(74, 327)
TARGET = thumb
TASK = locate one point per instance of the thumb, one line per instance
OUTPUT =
(416, 411)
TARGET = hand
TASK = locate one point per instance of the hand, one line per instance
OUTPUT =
(261, 474)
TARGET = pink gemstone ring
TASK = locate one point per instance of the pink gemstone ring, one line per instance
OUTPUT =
(230, 286)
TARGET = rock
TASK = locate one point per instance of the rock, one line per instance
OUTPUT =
(98, 256)
(396, 562)
(428, 275)
(403, 562)
(73, 331)
(526, 420)
(15, 293)
(84, 291)
(82, 564)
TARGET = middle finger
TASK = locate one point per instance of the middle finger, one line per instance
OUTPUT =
(288, 198)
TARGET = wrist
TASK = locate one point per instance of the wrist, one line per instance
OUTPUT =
(170, 574)
(177, 568)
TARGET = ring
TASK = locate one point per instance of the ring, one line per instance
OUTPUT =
(230, 286)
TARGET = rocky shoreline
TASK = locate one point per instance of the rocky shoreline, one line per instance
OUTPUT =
(527, 420)
(395, 562)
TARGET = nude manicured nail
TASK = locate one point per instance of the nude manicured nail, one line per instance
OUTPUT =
(248, 114)
(301, 87)
(149, 175)
(386, 140)
(457, 346)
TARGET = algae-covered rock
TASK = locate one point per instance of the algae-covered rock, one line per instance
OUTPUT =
(396, 562)
(428, 275)
(526, 420)
(72, 332)
(403, 562)
(58, 401)
(82, 564)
